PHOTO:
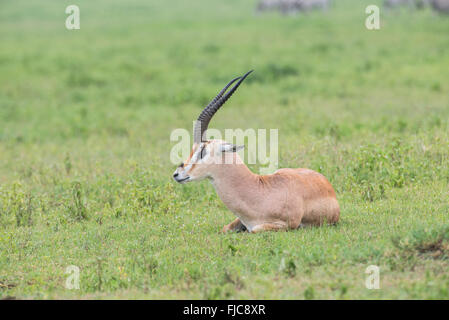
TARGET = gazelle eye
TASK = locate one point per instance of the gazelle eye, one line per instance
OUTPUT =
(203, 152)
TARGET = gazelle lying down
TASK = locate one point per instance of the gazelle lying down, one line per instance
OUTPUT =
(287, 199)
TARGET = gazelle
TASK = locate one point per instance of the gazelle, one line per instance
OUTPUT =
(287, 199)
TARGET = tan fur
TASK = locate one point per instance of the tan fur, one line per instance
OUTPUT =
(280, 201)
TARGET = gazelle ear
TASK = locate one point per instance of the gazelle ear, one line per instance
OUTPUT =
(229, 147)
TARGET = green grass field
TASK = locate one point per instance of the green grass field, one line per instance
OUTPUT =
(85, 174)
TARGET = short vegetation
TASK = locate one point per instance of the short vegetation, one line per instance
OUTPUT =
(85, 172)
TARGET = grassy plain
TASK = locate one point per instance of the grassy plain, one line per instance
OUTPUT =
(85, 123)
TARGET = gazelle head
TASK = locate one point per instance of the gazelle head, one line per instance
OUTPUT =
(209, 156)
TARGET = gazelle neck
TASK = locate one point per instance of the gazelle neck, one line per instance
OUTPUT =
(235, 184)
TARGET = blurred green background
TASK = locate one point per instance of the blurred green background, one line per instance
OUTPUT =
(85, 123)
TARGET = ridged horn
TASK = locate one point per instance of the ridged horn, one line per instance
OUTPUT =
(206, 115)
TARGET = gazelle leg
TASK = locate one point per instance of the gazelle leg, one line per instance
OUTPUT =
(269, 227)
(235, 225)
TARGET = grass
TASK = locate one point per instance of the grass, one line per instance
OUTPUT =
(85, 175)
